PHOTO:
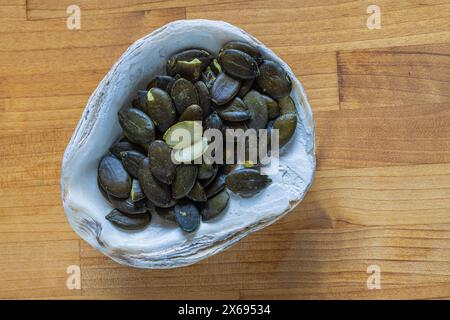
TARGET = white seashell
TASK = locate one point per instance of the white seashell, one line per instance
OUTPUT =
(161, 245)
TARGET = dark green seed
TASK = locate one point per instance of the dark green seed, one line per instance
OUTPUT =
(287, 105)
(121, 146)
(236, 111)
(286, 125)
(215, 205)
(140, 102)
(244, 47)
(167, 214)
(183, 94)
(217, 185)
(209, 77)
(136, 193)
(191, 70)
(274, 80)
(212, 122)
(186, 175)
(216, 67)
(137, 125)
(206, 171)
(129, 222)
(188, 55)
(204, 99)
(128, 206)
(158, 193)
(162, 82)
(246, 86)
(246, 182)
(161, 164)
(258, 109)
(238, 64)
(197, 193)
(187, 216)
(113, 177)
(192, 113)
(160, 109)
(224, 89)
(131, 161)
(273, 109)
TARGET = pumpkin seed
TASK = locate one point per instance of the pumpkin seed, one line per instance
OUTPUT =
(186, 175)
(215, 205)
(136, 193)
(158, 193)
(213, 122)
(206, 171)
(216, 67)
(192, 113)
(204, 98)
(274, 80)
(224, 89)
(187, 216)
(197, 193)
(217, 185)
(167, 214)
(129, 222)
(258, 109)
(183, 94)
(246, 86)
(137, 125)
(187, 56)
(244, 47)
(131, 161)
(236, 111)
(175, 135)
(140, 102)
(209, 77)
(246, 182)
(160, 109)
(161, 165)
(191, 153)
(113, 177)
(238, 64)
(128, 206)
(273, 109)
(117, 148)
(163, 82)
(287, 105)
(286, 125)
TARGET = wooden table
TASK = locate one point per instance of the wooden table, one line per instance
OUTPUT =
(381, 102)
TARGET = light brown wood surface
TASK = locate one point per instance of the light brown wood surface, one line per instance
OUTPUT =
(381, 102)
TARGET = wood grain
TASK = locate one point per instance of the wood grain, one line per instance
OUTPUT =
(381, 195)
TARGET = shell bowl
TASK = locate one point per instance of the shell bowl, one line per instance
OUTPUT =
(161, 245)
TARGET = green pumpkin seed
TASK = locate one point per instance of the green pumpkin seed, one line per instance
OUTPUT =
(215, 205)
(167, 214)
(197, 193)
(273, 109)
(128, 206)
(161, 164)
(246, 182)
(224, 89)
(187, 216)
(136, 193)
(160, 109)
(187, 56)
(140, 102)
(213, 121)
(206, 171)
(157, 192)
(236, 111)
(163, 82)
(258, 109)
(137, 125)
(186, 175)
(209, 77)
(184, 94)
(121, 146)
(274, 80)
(113, 177)
(191, 153)
(128, 222)
(192, 113)
(131, 161)
(217, 185)
(191, 70)
(286, 125)
(204, 99)
(192, 129)
(238, 64)
(244, 47)
(216, 67)
(246, 86)
(287, 105)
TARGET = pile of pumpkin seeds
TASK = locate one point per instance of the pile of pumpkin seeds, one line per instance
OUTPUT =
(238, 88)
